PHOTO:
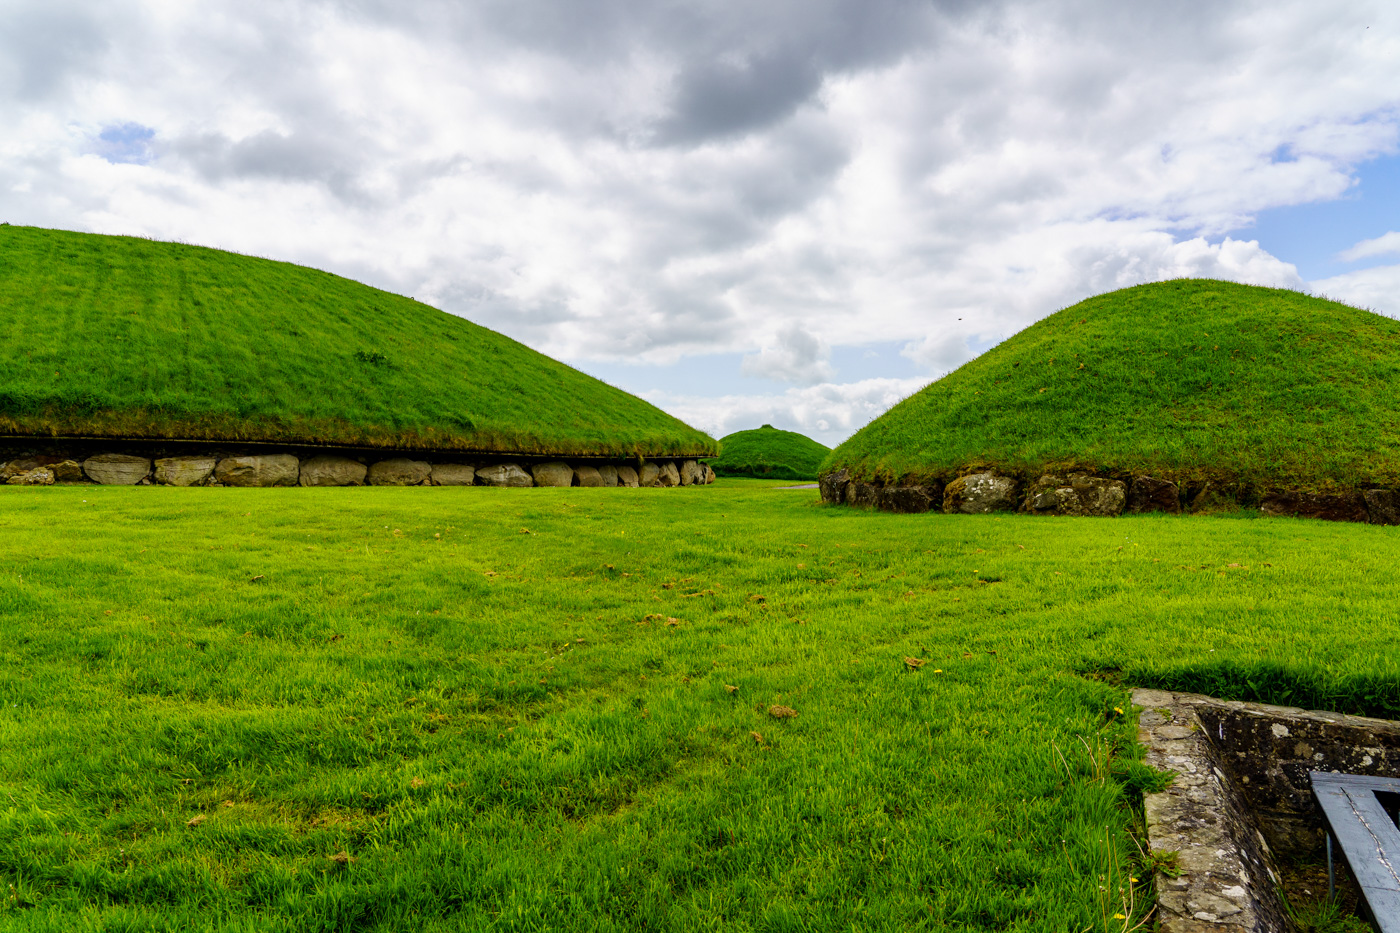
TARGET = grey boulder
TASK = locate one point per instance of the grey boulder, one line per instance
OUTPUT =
(669, 476)
(1077, 494)
(589, 476)
(980, 493)
(554, 473)
(399, 471)
(626, 476)
(649, 475)
(268, 470)
(503, 474)
(609, 474)
(692, 474)
(833, 485)
(333, 471)
(117, 469)
(184, 471)
(454, 474)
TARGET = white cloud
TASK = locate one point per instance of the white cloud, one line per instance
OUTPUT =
(795, 356)
(608, 181)
(1376, 289)
(828, 412)
(1384, 245)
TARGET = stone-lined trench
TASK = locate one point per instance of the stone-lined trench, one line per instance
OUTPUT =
(1086, 494)
(48, 466)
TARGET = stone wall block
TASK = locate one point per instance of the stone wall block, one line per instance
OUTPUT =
(863, 495)
(627, 476)
(503, 474)
(399, 471)
(608, 472)
(264, 470)
(1153, 495)
(117, 469)
(454, 474)
(833, 486)
(588, 476)
(980, 493)
(910, 500)
(1348, 507)
(333, 471)
(184, 471)
(554, 473)
(1382, 506)
(67, 471)
(39, 476)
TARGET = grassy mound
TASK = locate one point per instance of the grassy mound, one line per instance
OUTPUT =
(769, 453)
(1191, 380)
(122, 337)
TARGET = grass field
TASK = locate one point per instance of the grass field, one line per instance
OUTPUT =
(1192, 380)
(123, 337)
(768, 453)
(461, 709)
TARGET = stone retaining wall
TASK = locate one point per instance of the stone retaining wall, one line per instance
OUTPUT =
(1086, 494)
(287, 469)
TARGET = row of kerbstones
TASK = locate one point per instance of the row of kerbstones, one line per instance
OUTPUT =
(1084, 494)
(287, 470)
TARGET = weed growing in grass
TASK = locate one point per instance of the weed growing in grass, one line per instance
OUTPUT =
(379, 709)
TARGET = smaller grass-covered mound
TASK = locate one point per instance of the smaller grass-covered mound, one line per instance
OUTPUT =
(769, 453)
(1190, 380)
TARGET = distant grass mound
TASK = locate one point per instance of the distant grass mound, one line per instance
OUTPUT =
(105, 336)
(769, 453)
(1190, 380)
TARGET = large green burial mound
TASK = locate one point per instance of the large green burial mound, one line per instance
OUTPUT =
(119, 337)
(769, 453)
(1189, 380)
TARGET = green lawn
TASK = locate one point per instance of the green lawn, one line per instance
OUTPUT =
(395, 709)
(1192, 380)
(112, 336)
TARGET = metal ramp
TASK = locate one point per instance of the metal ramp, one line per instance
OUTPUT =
(1361, 813)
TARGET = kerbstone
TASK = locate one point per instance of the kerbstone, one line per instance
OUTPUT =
(399, 471)
(588, 476)
(266, 470)
(117, 469)
(183, 471)
(503, 474)
(554, 473)
(333, 471)
(627, 476)
(453, 474)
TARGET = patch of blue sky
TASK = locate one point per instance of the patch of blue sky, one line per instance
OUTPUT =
(125, 143)
(1312, 235)
(716, 374)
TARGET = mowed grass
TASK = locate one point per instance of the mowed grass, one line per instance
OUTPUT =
(769, 453)
(463, 709)
(1194, 380)
(118, 337)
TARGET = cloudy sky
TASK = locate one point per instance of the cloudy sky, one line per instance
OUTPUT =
(746, 212)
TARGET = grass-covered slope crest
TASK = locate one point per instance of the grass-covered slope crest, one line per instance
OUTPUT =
(1185, 380)
(769, 453)
(105, 336)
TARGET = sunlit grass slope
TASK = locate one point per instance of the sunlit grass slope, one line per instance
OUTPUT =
(769, 452)
(302, 709)
(118, 336)
(1184, 379)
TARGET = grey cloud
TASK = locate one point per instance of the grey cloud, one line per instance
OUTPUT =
(283, 157)
(44, 47)
(797, 357)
